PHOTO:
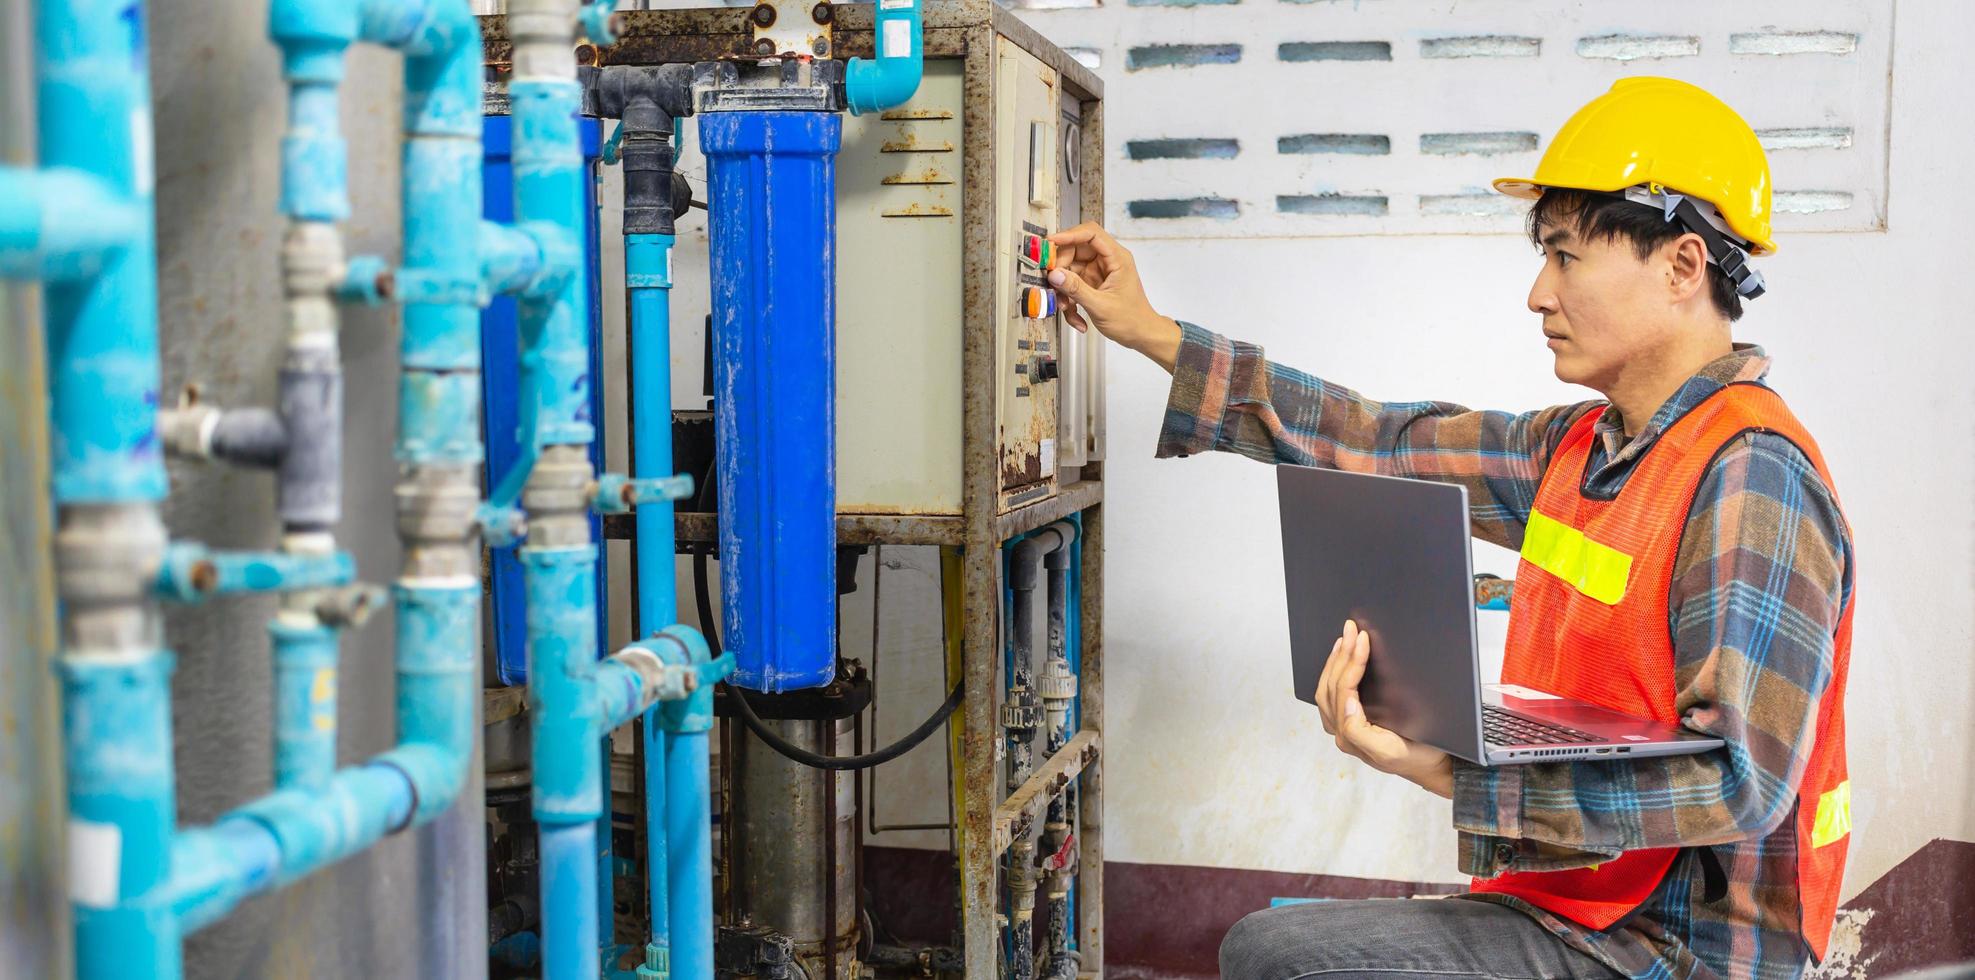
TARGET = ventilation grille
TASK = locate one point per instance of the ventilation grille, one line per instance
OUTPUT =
(1353, 118)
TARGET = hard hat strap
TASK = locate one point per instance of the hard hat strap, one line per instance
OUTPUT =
(1723, 250)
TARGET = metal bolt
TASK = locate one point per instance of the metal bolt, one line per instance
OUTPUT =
(821, 13)
(387, 284)
(764, 47)
(763, 15)
(586, 55)
(821, 47)
(204, 576)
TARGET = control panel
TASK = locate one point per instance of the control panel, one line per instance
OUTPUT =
(1029, 371)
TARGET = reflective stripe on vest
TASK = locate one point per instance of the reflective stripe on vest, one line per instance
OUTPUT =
(1834, 815)
(1597, 570)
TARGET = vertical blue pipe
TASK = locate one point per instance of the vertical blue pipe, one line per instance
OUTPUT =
(689, 854)
(94, 103)
(117, 730)
(648, 279)
(772, 183)
(569, 900)
(305, 703)
(94, 115)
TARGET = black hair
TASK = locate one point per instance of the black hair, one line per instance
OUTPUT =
(1593, 215)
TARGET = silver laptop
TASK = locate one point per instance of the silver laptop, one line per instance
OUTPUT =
(1392, 555)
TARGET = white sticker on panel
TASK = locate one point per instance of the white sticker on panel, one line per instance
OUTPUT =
(1048, 456)
(95, 862)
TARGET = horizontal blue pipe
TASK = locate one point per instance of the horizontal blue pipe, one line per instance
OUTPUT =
(61, 225)
(192, 572)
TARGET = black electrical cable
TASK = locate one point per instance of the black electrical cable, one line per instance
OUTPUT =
(796, 753)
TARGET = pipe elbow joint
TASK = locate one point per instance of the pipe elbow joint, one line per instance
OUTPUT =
(62, 224)
(694, 713)
(893, 77)
(436, 775)
(420, 28)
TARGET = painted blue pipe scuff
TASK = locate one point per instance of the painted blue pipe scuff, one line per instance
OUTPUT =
(648, 280)
(771, 179)
(61, 225)
(93, 100)
(891, 79)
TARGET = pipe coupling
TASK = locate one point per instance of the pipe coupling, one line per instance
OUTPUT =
(108, 554)
(436, 520)
(312, 261)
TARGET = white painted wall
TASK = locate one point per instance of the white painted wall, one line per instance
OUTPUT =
(1210, 762)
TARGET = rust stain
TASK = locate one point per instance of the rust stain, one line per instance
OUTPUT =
(930, 175)
(918, 211)
(909, 114)
(911, 144)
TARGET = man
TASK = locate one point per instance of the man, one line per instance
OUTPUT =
(1689, 492)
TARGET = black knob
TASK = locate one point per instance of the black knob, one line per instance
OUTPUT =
(1045, 369)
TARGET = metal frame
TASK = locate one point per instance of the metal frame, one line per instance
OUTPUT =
(963, 29)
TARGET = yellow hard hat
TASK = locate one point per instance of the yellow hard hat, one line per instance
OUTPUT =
(1659, 131)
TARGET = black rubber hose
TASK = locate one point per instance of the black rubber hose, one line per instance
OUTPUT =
(791, 751)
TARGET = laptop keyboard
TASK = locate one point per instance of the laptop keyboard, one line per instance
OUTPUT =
(1502, 728)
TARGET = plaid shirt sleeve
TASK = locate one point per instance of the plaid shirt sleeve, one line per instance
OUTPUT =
(1758, 587)
(1226, 396)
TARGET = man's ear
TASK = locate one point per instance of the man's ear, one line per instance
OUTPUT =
(1687, 267)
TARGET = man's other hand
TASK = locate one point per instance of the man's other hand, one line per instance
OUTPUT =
(1380, 748)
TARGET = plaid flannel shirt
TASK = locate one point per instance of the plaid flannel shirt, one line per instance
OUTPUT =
(1762, 573)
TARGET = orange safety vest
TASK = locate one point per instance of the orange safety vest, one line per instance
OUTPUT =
(1589, 620)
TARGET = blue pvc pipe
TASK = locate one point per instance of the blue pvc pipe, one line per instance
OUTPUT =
(689, 854)
(304, 703)
(688, 818)
(116, 724)
(61, 225)
(648, 279)
(771, 179)
(93, 100)
(569, 900)
(192, 572)
(549, 175)
(889, 81)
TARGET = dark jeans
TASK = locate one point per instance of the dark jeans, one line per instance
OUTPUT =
(1395, 937)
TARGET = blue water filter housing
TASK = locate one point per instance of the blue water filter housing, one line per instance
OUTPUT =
(771, 181)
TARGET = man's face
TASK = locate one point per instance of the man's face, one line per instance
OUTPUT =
(1605, 311)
